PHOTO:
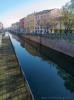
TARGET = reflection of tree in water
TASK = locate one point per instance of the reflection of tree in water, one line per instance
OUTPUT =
(66, 69)
(69, 84)
(68, 79)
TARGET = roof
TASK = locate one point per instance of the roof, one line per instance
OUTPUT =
(43, 12)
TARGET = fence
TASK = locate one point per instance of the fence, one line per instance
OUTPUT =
(68, 36)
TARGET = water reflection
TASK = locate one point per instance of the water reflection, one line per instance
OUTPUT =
(49, 74)
(66, 63)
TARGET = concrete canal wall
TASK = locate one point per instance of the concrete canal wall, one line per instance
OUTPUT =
(0, 40)
(11, 77)
(63, 46)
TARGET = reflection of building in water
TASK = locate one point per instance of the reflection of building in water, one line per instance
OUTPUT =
(64, 64)
(31, 48)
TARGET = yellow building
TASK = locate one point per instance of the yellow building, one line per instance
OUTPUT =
(30, 23)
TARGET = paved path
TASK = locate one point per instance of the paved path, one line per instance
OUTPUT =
(12, 84)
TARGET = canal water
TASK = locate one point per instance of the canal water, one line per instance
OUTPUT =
(49, 74)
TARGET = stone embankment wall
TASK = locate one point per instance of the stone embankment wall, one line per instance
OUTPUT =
(0, 40)
(60, 45)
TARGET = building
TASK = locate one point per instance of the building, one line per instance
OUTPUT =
(21, 25)
(15, 27)
(30, 23)
(25, 25)
(45, 21)
(1, 27)
(41, 18)
(42, 22)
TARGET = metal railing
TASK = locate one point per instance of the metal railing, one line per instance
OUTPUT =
(58, 36)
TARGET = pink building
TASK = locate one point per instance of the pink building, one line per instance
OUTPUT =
(44, 20)
(25, 24)
(21, 25)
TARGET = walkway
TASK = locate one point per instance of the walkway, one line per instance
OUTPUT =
(12, 83)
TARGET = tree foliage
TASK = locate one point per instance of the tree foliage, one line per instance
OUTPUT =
(68, 13)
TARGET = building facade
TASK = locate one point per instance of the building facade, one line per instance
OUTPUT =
(21, 22)
(30, 23)
(1, 27)
(15, 27)
(45, 21)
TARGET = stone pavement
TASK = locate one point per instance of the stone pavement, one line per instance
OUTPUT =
(12, 84)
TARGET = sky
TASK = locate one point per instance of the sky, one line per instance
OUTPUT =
(13, 10)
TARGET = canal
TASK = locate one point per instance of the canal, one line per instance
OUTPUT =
(50, 75)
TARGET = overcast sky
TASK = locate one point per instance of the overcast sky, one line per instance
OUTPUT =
(12, 10)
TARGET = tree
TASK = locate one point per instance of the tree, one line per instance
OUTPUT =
(48, 24)
(68, 13)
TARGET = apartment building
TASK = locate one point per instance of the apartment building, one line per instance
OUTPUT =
(42, 22)
(30, 23)
(45, 21)
(25, 25)
(41, 19)
(21, 25)
(1, 27)
(15, 27)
